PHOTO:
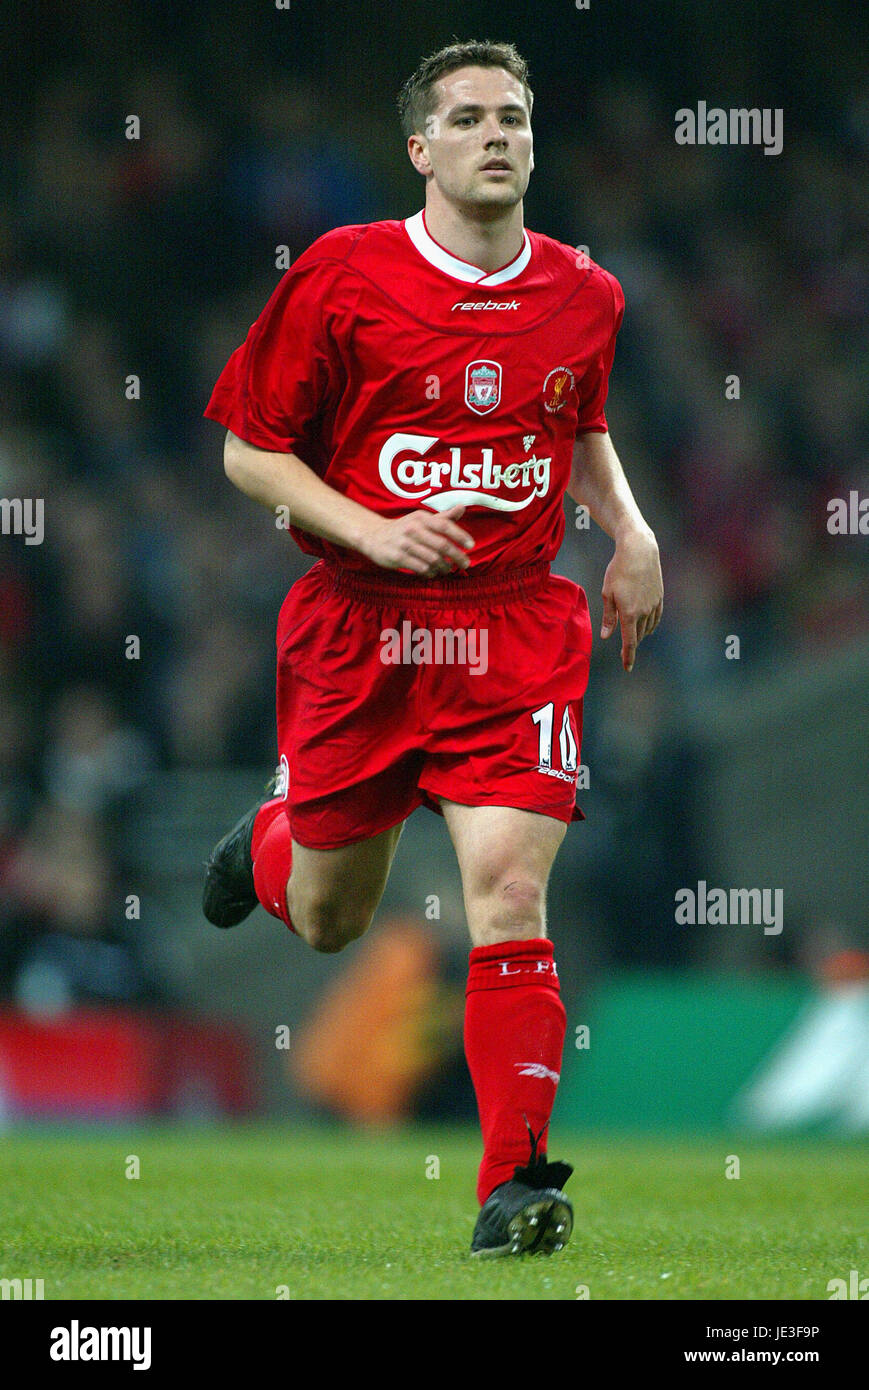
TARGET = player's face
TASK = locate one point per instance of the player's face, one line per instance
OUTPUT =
(478, 145)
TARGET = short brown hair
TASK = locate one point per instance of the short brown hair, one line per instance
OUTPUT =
(416, 100)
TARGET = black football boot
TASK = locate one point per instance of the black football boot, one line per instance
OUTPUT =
(228, 895)
(529, 1214)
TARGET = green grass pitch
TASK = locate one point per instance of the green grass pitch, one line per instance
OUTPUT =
(322, 1213)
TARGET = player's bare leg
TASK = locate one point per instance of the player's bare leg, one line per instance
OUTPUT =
(328, 897)
(514, 1024)
(333, 894)
(505, 857)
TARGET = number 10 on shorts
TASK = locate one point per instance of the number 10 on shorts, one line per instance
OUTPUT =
(544, 718)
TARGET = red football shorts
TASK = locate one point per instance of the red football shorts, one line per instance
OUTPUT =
(393, 691)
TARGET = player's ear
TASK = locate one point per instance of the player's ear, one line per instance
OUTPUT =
(418, 155)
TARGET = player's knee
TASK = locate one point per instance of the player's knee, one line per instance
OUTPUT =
(329, 924)
(328, 938)
(514, 909)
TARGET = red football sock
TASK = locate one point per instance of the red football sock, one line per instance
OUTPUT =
(514, 1036)
(271, 849)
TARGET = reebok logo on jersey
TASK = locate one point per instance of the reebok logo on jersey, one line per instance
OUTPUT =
(451, 482)
(487, 304)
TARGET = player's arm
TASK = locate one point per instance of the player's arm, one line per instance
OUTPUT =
(633, 590)
(423, 541)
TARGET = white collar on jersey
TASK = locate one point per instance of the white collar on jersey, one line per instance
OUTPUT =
(462, 270)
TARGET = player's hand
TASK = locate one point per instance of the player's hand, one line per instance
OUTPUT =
(633, 591)
(424, 542)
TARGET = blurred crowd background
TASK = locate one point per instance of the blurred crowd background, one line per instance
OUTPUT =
(149, 258)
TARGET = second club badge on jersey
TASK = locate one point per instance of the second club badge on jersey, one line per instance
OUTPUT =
(483, 386)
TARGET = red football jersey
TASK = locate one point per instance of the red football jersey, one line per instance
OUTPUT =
(406, 377)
